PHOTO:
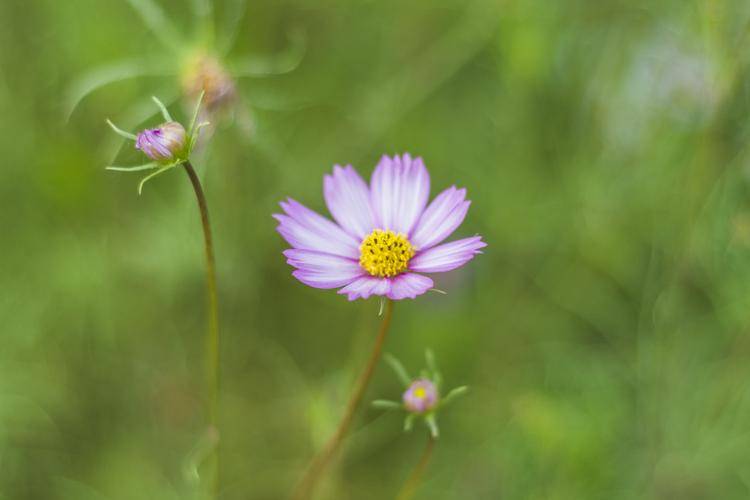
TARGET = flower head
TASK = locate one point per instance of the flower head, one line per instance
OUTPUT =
(421, 399)
(163, 143)
(168, 145)
(385, 234)
(204, 73)
(421, 396)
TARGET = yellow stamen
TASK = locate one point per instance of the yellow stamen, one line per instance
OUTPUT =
(420, 392)
(385, 253)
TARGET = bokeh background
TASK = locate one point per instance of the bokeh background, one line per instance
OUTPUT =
(603, 332)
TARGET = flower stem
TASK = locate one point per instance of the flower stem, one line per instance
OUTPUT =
(212, 338)
(411, 485)
(306, 487)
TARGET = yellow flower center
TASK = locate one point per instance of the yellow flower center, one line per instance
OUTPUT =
(420, 392)
(385, 253)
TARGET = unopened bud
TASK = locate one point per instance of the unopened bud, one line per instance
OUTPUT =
(421, 396)
(163, 143)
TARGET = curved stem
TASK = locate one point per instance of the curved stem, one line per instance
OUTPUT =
(306, 487)
(212, 338)
(411, 485)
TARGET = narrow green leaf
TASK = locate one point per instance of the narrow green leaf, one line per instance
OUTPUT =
(384, 404)
(203, 11)
(112, 73)
(398, 369)
(234, 14)
(432, 365)
(162, 108)
(196, 112)
(409, 422)
(157, 21)
(120, 132)
(146, 166)
(432, 425)
(277, 64)
(453, 394)
(151, 176)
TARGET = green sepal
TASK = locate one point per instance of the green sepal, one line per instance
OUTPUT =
(158, 172)
(385, 404)
(453, 394)
(409, 422)
(191, 128)
(163, 109)
(436, 377)
(398, 369)
(146, 166)
(120, 132)
(159, 23)
(431, 423)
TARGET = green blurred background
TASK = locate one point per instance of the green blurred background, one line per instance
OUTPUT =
(603, 332)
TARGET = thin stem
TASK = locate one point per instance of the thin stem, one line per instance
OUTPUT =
(411, 485)
(306, 487)
(212, 339)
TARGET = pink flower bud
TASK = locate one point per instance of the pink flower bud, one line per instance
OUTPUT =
(421, 396)
(164, 143)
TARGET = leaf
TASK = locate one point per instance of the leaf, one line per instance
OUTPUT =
(453, 394)
(384, 404)
(120, 132)
(146, 166)
(409, 422)
(398, 369)
(285, 62)
(162, 108)
(234, 14)
(203, 11)
(191, 128)
(432, 425)
(432, 365)
(112, 73)
(156, 20)
(151, 176)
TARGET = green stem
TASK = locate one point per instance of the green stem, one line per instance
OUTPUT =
(306, 487)
(411, 485)
(212, 338)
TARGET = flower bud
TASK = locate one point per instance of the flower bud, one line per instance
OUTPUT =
(204, 73)
(421, 396)
(163, 143)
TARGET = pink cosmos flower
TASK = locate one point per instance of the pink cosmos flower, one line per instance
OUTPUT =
(386, 234)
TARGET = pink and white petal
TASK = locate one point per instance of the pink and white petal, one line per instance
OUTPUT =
(366, 286)
(302, 228)
(409, 285)
(448, 256)
(309, 260)
(444, 214)
(399, 189)
(348, 199)
(321, 279)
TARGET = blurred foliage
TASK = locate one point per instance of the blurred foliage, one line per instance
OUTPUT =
(603, 332)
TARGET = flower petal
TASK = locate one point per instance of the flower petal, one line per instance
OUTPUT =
(348, 199)
(365, 286)
(307, 230)
(322, 270)
(399, 190)
(409, 285)
(444, 214)
(448, 256)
